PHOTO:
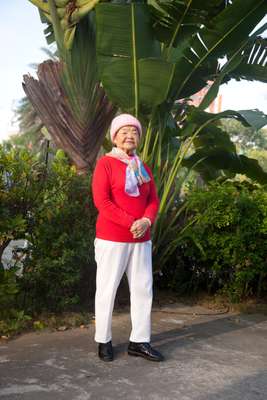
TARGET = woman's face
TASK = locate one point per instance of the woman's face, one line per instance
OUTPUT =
(127, 138)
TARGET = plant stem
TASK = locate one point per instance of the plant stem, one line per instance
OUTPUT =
(136, 83)
(56, 27)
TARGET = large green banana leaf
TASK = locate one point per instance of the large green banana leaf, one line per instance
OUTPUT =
(207, 160)
(253, 65)
(252, 53)
(198, 119)
(175, 21)
(128, 55)
(214, 150)
(212, 137)
(254, 118)
(225, 33)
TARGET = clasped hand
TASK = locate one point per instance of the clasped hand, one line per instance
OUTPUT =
(139, 228)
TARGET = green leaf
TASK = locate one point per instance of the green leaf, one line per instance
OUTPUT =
(48, 31)
(198, 119)
(253, 51)
(225, 33)
(254, 60)
(249, 72)
(128, 56)
(220, 159)
(255, 118)
(214, 137)
(214, 88)
(175, 21)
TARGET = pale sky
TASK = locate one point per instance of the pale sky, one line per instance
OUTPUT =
(23, 39)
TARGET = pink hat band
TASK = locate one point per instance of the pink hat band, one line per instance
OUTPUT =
(124, 120)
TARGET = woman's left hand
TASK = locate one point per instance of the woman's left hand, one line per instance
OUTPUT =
(139, 228)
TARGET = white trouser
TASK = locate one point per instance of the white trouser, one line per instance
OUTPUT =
(113, 259)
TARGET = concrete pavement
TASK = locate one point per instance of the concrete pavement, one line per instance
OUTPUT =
(208, 357)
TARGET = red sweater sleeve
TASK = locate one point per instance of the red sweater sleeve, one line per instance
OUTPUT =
(153, 200)
(101, 197)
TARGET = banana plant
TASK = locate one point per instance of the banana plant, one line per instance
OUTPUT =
(213, 150)
(186, 38)
(201, 50)
(64, 16)
(199, 47)
(191, 37)
(213, 146)
(152, 55)
(129, 58)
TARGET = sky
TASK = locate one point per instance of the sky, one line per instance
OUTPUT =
(22, 37)
(23, 40)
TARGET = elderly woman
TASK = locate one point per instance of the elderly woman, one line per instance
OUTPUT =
(125, 195)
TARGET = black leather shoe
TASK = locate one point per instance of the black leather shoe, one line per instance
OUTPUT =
(144, 350)
(105, 351)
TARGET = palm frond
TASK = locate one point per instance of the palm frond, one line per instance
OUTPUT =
(81, 141)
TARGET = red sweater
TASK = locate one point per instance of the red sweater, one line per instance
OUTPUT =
(118, 210)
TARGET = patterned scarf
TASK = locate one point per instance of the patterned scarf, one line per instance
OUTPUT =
(136, 173)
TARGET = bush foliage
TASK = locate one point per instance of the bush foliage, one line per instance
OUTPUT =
(51, 208)
(226, 246)
(223, 244)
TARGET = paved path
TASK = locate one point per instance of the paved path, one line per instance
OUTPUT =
(222, 357)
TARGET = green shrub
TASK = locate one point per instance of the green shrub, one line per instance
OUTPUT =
(21, 181)
(62, 240)
(8, 291)
(225, 248)
(51, 207)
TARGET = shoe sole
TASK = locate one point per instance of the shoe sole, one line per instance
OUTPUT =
(136, 354)
(106, 359)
